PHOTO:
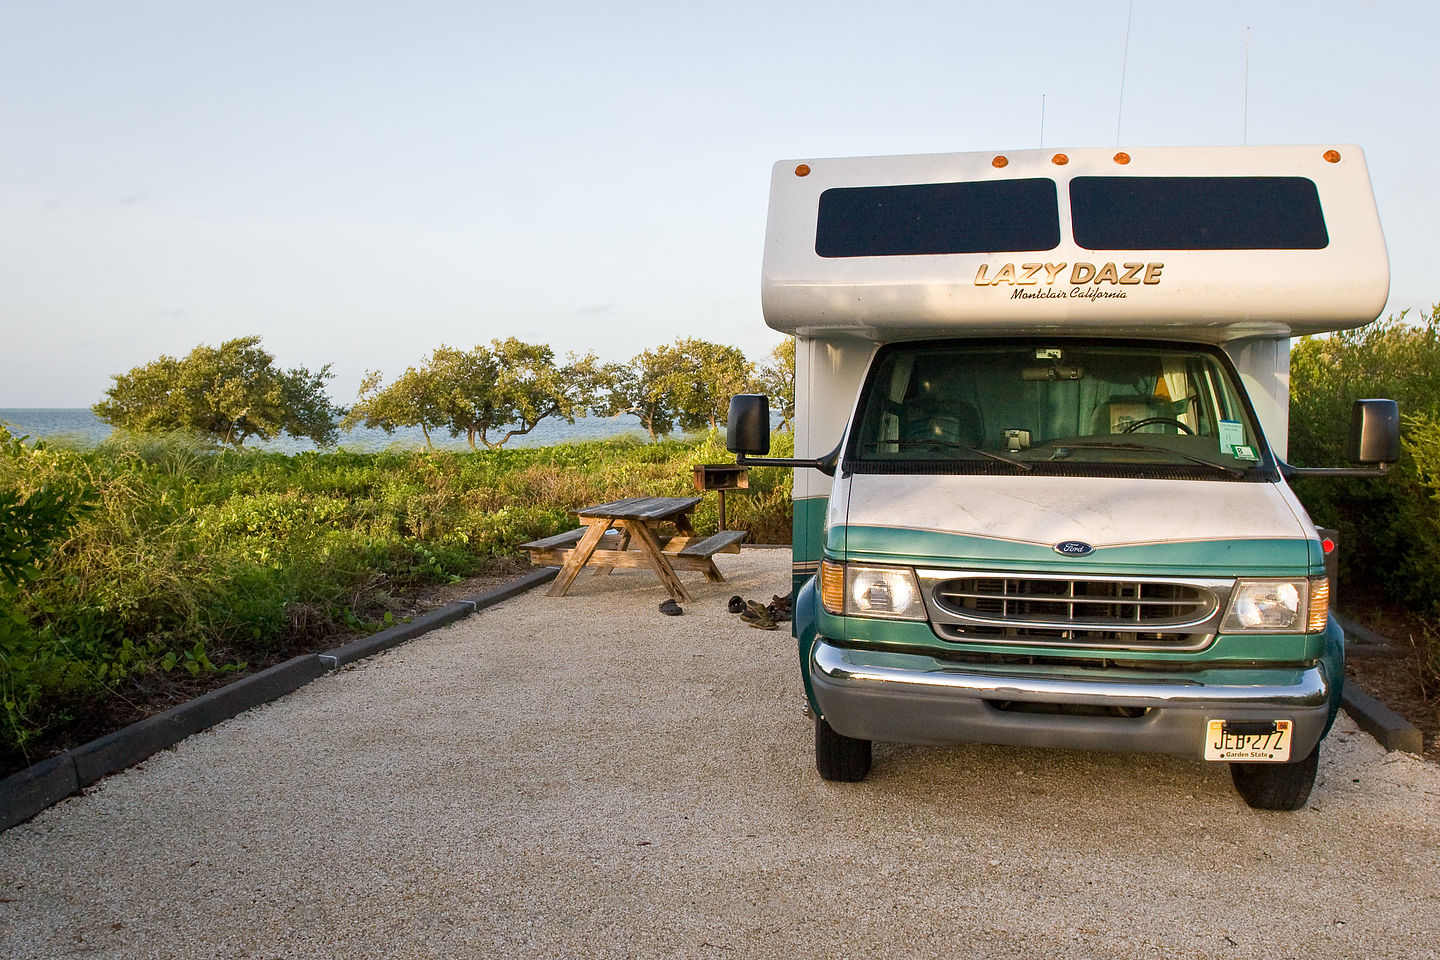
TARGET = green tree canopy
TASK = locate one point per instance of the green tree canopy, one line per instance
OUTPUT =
(685, 384)
(491, 394)
(1392, 358)
(1389, 527)
(229, 393)
(704, 378)
(776, 378)
(411, 401)
(639, 388)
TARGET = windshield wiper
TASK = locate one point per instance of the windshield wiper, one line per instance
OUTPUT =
(1063, 451)
(946, 444)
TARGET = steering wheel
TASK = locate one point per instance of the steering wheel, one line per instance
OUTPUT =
(1149, 420)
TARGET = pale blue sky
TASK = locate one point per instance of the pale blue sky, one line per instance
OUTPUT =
(361, 182)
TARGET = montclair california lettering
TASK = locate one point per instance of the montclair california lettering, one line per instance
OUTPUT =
(1084, 279)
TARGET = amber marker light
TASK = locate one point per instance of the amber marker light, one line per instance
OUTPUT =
(1122, 158)
(803, 170)
(999, 162)
(1059, 159)
(832, 587)
(1332, 156)
(1319, 605)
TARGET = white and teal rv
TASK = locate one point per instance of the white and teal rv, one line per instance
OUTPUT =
(1041, 414)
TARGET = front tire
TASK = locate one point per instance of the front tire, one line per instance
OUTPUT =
(1276, 786)
(838, 758)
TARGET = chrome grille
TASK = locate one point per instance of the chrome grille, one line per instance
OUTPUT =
(1125, 613)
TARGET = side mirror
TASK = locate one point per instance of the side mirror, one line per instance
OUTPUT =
(1375, 431)
(747, 429)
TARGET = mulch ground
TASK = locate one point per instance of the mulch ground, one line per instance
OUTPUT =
(1392, 675)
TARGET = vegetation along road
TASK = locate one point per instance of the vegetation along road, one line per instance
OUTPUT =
(581, 776)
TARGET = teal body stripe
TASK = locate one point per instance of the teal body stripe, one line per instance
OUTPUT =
(1227, 558)
(807, 529)
(807, 539)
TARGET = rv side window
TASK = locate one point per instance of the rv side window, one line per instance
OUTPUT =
(1053, 406)
(1197, 213)
(938, 218)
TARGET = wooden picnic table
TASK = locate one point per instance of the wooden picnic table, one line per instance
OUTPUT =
(629, 533)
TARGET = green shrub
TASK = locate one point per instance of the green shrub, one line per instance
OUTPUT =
(1388, 527)
(195, 560)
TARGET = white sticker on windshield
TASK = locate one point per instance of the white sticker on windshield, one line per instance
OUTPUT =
(1232, 435)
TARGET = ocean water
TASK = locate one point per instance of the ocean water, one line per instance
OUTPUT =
(81, 426)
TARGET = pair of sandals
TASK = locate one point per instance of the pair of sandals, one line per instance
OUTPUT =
(761, 616)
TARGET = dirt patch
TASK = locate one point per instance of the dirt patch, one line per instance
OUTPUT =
(1391, 673)
(500, 571)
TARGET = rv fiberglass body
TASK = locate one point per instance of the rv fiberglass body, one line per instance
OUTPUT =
(1041, 412)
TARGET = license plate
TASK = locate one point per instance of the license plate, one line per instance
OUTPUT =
(1249, 741)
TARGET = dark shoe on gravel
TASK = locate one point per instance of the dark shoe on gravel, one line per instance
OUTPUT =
(754, 611)
(671, 609)
(736, 605)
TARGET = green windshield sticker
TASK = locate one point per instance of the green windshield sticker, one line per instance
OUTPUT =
(1243, 452)
(1232, 435)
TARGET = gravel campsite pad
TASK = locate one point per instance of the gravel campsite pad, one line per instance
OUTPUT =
(584, 776)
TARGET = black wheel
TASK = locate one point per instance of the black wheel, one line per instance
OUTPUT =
(840, 758)
(1276, 786)
(1149, 420)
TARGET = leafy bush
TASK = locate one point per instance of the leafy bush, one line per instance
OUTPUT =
(195, 560)
(1389, 528)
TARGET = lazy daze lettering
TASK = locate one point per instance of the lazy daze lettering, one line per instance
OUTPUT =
(1084, 279)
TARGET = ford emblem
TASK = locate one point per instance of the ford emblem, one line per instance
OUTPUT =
(1074, 548)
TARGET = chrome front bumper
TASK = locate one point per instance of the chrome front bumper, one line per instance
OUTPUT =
(914, 698)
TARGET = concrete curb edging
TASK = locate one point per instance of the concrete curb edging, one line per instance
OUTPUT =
(385, 639)
(24, 794)
(1392, 730)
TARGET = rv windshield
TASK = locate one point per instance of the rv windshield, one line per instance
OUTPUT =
(1055, 407)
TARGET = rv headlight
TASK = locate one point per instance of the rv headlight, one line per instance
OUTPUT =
(1277, 606)
(883, 592)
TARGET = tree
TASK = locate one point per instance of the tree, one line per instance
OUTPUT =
(230, 393)
(529, 387)
(704, 378)
(410, 401)
(639, 388)
(776, 378)
(1389, 528)
(687, 384)
(490, 394)
(1394, 358)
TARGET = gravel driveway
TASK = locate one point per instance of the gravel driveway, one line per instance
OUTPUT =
(583, 777)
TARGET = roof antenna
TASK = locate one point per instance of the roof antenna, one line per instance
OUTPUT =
(1042, 121)
(1245, 121)
(1124, 62)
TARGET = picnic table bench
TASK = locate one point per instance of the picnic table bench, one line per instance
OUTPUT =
(628, 534)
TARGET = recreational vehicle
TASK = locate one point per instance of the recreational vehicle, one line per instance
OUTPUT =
(1040, 447)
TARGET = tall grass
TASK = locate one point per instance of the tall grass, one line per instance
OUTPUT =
(194, 560)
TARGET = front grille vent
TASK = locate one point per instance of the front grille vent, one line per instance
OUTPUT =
(1095, 612)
